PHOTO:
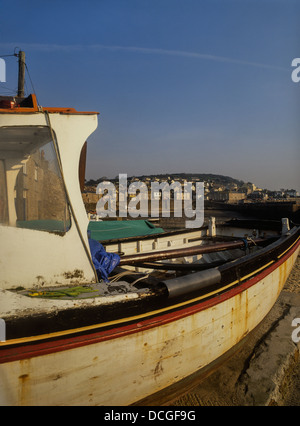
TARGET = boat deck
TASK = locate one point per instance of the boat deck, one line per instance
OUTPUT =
(133, 283)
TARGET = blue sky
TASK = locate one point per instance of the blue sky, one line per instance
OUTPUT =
(181, 85)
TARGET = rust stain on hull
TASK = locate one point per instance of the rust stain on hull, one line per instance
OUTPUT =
(24, 382)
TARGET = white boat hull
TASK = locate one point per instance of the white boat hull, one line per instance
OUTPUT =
(132, 362)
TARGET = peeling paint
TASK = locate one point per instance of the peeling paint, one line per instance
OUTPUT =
(77, 273)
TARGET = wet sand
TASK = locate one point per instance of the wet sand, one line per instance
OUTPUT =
(227, 386)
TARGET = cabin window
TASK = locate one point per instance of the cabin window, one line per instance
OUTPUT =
(32, 193)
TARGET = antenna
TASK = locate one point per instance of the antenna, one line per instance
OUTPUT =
(21, 79)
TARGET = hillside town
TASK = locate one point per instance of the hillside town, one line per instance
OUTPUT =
(217, 189)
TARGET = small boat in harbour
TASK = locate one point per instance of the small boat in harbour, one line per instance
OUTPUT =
(175, 305)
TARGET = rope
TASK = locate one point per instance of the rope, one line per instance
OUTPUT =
(139, 279)
(117, 277)
(245, 241)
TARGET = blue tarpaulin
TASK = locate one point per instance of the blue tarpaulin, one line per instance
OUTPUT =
(104, 262)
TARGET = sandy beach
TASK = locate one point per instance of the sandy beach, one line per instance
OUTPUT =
(228, 385)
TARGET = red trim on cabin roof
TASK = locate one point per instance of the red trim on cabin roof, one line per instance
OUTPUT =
(62, 344)
(35, 108)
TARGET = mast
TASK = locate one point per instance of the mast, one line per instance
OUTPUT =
(21, 78)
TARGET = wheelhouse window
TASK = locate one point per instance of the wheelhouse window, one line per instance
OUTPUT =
(32, 193)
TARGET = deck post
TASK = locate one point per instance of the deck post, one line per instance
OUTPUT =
(212, 227)
(285, 225)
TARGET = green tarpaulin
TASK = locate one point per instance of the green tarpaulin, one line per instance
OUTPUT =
(115, 229)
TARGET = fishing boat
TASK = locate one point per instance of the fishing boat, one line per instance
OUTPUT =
(174, 305)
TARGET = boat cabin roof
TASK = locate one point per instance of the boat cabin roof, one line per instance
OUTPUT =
(10, 104)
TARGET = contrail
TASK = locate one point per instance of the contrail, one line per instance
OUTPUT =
(134, 49)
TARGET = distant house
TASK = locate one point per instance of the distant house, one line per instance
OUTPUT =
(258, 194)
(292, 193)
(227, 196)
